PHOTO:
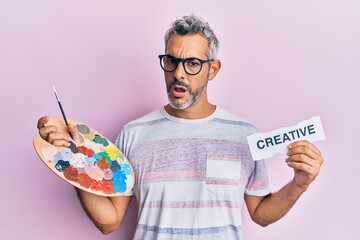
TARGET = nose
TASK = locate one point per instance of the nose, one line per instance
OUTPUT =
(179, 73)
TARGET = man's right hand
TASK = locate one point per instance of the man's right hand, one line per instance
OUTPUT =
(52, 135)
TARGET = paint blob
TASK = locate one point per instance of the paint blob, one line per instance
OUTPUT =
(57, 157)
(71, 174)
(128, 180)
(49, 152)
(97, 174)
(83, 128)
(73, 147)
(89, 167)
(101, 140)
(86, 151)
(125, 168)
(78, 160)
(84, 180)
(115, 166)
(103, 163)
(95, 185)
(90, 136)
(107, 187)
(112, 152)
(108, 174)
(66, 154)
(61, 165)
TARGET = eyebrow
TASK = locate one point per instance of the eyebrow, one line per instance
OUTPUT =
(185, 57)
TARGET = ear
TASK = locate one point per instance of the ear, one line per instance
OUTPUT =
(214, 68)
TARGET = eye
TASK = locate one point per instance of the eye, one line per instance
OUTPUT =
(169, 60)
(193, 63)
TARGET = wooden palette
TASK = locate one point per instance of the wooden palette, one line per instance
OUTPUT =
(95, 165)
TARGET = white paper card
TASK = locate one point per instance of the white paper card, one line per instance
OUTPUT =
(265, 145)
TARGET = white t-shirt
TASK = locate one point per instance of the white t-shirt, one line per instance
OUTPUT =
(191, 175)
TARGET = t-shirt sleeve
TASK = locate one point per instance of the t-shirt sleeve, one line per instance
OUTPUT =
(258, 183)
(119, 142)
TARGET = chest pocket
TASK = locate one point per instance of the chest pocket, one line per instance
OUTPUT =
(223, 174)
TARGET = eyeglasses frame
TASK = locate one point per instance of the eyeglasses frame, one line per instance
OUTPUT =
(183, 60)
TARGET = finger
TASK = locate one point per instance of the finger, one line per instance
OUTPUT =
(60, 143)
(304, 143)
(42, 121)
(305, 154)
(301, 162)
(59, 138)
(74, 132)
(303, 150)
(308, 169)
(45, 131)
(301, 158)
(312, 168)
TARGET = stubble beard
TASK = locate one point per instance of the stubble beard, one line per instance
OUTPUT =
(194, 96)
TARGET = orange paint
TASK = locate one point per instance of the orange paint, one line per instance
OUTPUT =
(103, 163)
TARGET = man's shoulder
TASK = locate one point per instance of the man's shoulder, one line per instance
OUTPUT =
(148, 118)
(230, 118)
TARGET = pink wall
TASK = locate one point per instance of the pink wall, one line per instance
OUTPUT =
(283, 61)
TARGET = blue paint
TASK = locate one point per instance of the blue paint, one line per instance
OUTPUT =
(100, 140)
(57, 157)
(115, 166)
(61, 165)
(119, 181)
(125, 168)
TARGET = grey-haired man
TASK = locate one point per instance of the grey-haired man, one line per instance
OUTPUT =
(191, 159)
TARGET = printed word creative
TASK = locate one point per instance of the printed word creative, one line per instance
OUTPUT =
(286, 137)
(265, 145)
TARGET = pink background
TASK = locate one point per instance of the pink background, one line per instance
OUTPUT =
(283, 62)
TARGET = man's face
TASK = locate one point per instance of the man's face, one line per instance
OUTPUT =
(184, 90)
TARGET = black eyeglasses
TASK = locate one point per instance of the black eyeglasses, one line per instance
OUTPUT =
(192, 66)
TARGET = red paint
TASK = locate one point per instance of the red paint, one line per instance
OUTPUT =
(95, 185)
(86, 151)
(84, 180)
(71, 174)
(107, 187)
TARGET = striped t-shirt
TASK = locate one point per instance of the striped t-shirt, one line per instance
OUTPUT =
(191, 175)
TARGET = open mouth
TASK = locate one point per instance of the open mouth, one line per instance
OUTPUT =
(178, 91)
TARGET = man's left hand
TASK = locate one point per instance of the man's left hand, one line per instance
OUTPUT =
(306, 161)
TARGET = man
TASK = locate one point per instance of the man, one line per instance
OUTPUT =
(191, 159)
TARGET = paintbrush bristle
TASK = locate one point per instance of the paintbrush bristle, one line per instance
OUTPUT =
(57, 97)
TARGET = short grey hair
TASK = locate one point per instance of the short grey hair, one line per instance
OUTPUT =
(191, 25)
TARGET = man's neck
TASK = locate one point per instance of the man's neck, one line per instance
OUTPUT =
(193, 112)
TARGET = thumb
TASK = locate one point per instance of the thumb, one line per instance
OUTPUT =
(74, 133)
(42, 121)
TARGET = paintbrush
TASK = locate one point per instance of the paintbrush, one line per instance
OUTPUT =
(61, 109)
